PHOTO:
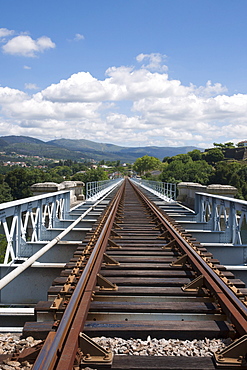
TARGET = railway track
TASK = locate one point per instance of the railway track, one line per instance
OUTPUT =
(139, 274)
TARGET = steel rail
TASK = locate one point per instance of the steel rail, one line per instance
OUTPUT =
(60, 348)
(235, 310)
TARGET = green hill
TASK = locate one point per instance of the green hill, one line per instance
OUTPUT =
(82, 144)
(12, 139)
(119, 151)
(83, 149)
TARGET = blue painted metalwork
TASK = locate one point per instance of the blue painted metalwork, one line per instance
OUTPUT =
(27, 219)
(223, 214)
(32, 219)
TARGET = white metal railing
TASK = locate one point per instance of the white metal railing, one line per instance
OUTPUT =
(25, 219)
(96, 189)
(218, 213)
(223, 214)
(32, 259)
(164, 190)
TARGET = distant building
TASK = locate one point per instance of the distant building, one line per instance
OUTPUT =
(104, 166)
(239, 153)
(242, 143)
(10, 164)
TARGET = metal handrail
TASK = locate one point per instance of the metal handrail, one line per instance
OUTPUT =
(18, 270)
(29, 217)
(165, 190)
(220, 213)
(94, 189)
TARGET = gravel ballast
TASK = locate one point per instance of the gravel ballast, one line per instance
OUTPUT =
(163, 347)
(9, 343)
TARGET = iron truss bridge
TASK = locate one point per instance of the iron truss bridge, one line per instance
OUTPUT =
(166, 261)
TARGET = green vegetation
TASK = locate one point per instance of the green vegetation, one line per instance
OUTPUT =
(3, 245)
(97, 174)
(232, 173)
(15, 181)
(5, 191)
(210, 166)
(214, 155)
(187, 170)
(145, 164)
(20, 179)
(81, 150)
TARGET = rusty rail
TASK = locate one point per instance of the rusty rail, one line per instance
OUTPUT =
(59, 350)
(62, 347)
(235, 310)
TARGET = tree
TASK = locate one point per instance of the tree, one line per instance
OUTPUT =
(213, 156)
(182, 157)
(231, 173)
(197, 171)
(146, 163)
(224, 171)
(3, 245)
(20, 180)
(165, 159)
(76, 167)
(196, 155)
(63, 171)
(175, 170)
(228, 145)
(91, 175)
(5, 193)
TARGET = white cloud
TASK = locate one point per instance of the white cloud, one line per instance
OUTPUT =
(122, 83)
(25, 46)
(79, 37)
(4, 32)
(44, 43)
(11, 96)
(116, 121)
(209, 89)
(130, 106)
(155, 61)
(80, 87)
(30, 86)
(26, 67)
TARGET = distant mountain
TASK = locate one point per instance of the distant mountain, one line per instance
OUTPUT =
(135, 152)
(2, 143)
(12, 139)
(84, 149)
(31, 146)
(158, 152)
(82, 144)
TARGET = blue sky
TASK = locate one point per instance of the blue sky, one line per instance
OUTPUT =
(132, 73)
